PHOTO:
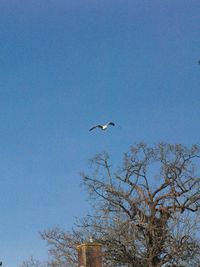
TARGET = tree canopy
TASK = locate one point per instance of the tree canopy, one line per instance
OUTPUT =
(145, 212)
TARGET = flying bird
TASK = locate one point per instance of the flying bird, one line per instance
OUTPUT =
(102, 127)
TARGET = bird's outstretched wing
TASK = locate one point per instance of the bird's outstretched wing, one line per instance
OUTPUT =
(111, 123)
(97, 126)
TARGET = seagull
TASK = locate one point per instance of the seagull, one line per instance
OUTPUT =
(102, 127)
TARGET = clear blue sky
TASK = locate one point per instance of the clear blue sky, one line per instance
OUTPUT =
(66, 65)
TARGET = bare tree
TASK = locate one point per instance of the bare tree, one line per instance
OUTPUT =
(62, 246)
(145, 213)
(33, 263)
(137, 205)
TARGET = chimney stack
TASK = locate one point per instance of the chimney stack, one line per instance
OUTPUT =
(90, 254)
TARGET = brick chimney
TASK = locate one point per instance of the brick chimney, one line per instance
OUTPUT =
(90, 254)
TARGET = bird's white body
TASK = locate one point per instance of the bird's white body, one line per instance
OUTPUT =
(104, 127)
